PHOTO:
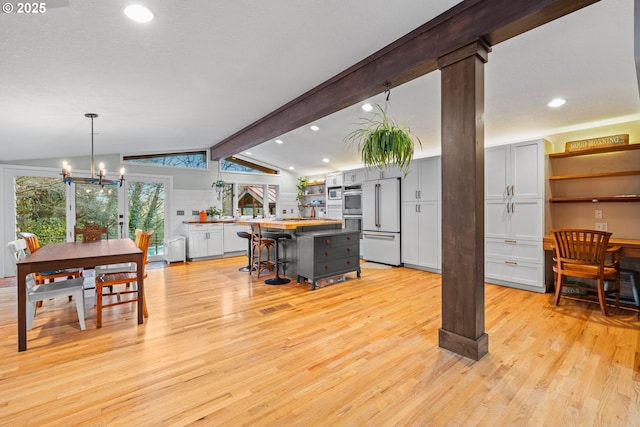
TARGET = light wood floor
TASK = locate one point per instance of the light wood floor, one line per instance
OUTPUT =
(221, 349)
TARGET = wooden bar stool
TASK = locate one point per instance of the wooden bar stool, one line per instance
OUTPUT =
(260, 243)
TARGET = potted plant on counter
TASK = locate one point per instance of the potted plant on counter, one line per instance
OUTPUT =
(214, 212)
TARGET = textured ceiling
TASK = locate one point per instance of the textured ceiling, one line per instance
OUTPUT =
(204, 69)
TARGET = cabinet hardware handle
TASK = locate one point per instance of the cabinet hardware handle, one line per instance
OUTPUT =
(508, 191)
(513, 242)
(513, 190)
(513, 208)
(326, 267)
(508, 208)
(327, 241)
(348, 262)
(348, 237)
(419, 194)
(326, 254)
(511, 262)
(348, 249)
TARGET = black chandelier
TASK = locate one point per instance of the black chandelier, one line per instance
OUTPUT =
(101, 179)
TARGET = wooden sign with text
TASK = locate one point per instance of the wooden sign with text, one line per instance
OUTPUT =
(590, 144)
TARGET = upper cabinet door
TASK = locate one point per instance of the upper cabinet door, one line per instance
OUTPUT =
(422, 183)
(527, 169)
(496, 172)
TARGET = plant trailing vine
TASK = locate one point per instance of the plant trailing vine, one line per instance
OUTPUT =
(382, 142)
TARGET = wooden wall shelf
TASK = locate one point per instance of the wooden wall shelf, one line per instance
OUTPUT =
(596, 151)
(607, 199)
(595, 175)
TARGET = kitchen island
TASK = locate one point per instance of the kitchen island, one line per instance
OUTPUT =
(297, 228)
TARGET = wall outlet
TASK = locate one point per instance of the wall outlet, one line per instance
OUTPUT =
(601, 226)
(598, 213)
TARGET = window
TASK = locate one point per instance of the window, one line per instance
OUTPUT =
(234, 164)
(193, 159)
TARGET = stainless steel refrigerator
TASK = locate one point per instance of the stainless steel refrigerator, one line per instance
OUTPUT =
(381, 221)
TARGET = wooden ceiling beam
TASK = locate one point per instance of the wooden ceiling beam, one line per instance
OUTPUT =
(409, 57)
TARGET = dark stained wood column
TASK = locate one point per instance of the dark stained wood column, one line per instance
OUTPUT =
(462, 83)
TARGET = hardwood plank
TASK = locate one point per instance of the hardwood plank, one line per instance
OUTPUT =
(361, 352)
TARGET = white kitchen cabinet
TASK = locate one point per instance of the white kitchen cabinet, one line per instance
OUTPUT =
(373, 174)
(421, 235)
(204, 240)
(231, 241)
(515, 170)
(421, 217)
(354, 177)
(422, 183)
(334, 179)
(514, 214)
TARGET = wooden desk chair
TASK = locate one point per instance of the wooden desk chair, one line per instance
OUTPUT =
(109, 280)
(121, 267)
(33, 244)
(37, 293)
(90, 233)
(258, 245)
(586, 254)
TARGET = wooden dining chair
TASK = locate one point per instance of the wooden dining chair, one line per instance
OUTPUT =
(33, 244)
(90, 233)
(37, 293)
(586, 254)
(111, 279)
(261, 246)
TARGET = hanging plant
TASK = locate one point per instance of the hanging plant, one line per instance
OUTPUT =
(221, 187)
(383, 143)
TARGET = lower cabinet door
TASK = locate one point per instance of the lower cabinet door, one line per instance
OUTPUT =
(529, 275)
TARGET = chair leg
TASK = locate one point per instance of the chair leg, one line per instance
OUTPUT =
(31, 314)
(602, 297)
(98, 305)
(80, 308)
(558, 288)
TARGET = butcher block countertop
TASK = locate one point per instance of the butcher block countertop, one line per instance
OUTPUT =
(289, 223)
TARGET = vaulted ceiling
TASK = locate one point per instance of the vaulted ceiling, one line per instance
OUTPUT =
(202, 70)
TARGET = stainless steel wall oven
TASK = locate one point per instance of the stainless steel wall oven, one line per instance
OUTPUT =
(352, 200)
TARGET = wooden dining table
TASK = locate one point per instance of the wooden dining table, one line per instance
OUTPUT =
(60, 256)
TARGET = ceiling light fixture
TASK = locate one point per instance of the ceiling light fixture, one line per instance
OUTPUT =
(367, 107)
(557, 102)
(248, 153)
(138, 13)
(278, 141)
(101, 179)
(291, 168)
(325, 160)
(314, 128)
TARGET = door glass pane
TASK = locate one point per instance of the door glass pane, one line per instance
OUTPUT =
(146, 212)
(97, 205)
(41, 208)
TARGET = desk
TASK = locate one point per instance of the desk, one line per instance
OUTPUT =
(630, 247)
(58, 256)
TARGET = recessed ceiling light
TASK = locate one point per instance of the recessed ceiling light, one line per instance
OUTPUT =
(325, 160)
(138, 13)
(314, 128)
(291, 168)
(367, 107)
(248, 153)
(557, 102)
(278, 141)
